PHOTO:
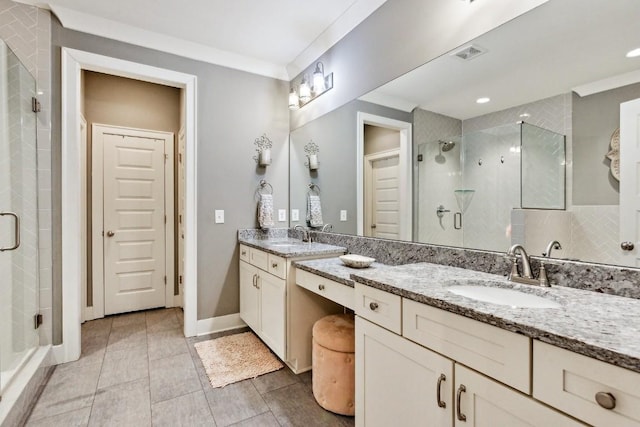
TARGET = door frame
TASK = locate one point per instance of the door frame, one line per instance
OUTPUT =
(629, 139)
(368, 176)
(97, 211)
(73, 62)
(406, 170)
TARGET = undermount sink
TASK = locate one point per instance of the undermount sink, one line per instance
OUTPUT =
(502, 296)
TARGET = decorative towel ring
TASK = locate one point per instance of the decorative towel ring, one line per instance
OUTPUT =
(263, 185)
(313, 188)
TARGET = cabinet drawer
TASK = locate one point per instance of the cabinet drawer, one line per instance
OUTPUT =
(277, 266)
(244, 253)
(336, 292)
(259, 258)
(382, 308)
(500, 354)
(570, 382)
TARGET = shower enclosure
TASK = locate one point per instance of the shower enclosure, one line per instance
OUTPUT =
(481, 177)
(18, 218)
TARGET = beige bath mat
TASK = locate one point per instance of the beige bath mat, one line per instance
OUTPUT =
(235, 358)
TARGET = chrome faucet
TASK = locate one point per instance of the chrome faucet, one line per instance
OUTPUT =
(554, 244)
(305, 233)
(327, 227)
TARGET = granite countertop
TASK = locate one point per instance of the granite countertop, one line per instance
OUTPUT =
(333, 269)
(605, 327)
(292, 248)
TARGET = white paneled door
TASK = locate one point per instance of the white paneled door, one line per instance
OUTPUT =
(630, 182)
(134, 240)
(384, 196)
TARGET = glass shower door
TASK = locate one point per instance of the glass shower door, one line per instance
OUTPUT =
(18, 217)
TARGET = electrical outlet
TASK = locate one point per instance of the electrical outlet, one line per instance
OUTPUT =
(343, 215)
(295, 215)
(282, 215)
(219, 216)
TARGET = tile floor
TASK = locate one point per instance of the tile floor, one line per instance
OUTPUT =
(139, 370)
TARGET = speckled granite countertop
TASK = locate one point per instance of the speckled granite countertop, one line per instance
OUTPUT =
(334, 269)
(292, 248)
(605, 327)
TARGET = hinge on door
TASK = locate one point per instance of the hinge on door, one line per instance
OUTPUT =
(180, 279)
(166, 157)
(37, 320)
(35, 105)
(419, 157)
(165, 219)
(180, 219)
(165, 280)
(179, 157)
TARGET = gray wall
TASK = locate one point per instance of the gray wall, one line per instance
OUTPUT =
(234, 108)
(335, 134)
(595, 117)
(398, 37)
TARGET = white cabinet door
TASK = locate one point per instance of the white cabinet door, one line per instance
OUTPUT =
(398, 382)
(272, 313)
(484, 402)
(249, 295)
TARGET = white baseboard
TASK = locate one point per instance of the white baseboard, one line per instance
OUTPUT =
(219, 324)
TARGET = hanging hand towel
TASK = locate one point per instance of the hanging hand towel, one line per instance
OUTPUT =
(265, 211)
(314, 211)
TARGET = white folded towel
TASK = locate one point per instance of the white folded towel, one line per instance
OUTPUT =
(314, 211)
(265, 211)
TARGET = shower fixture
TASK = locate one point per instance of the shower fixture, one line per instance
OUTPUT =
(446, 145)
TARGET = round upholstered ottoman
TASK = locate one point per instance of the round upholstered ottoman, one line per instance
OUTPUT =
(333, 363)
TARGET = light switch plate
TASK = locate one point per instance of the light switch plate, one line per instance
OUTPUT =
(343, 215)
(219, 216)
(282, 215)
(295, 215)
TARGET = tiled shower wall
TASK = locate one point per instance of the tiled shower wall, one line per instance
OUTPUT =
(27, 31)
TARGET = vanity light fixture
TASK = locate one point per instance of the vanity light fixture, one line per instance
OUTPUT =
(483, 100)
(633, 53)
(307, 93)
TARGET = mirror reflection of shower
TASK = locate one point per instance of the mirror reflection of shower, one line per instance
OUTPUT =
(443, 147)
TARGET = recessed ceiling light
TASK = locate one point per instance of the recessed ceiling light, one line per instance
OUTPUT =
(525, 115)
(483, 100)
(633, 53)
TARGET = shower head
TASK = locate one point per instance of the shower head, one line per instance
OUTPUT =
(446, 145)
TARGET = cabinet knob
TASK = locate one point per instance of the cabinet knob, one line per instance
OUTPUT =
(460, 415)
(606, 400)
(274, 265)
(441, 404)
(244, 253)
(321, 287)
(627, 246)
(373, 306)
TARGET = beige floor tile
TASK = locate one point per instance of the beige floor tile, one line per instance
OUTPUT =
(189, 410)
(235, 402)
(77, 418)
(172, 377)
(162, 319)
(125, 404)
(136, 317)
(166, 343)
(124, 365)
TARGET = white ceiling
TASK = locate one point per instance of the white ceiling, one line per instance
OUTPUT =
(278, 38)
(562, 45)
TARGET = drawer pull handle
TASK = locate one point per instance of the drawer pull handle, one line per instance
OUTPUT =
(255, 279)
(461, 416)
(321, 287)
(274, 265)
(606, 400)
(441, 404)
(373, 306)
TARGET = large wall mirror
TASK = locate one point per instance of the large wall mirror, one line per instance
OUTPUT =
(426, 158)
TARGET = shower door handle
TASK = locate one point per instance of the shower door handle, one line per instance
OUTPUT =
(16, 231)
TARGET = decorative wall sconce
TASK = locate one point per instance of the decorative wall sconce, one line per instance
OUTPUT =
(312, 151)
(263, 148)
(307, 93)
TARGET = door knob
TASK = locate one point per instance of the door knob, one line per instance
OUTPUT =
(627, 246)
(373, 226)
(110, 233)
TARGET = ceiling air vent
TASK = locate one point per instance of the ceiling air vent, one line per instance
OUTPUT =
(469, 52)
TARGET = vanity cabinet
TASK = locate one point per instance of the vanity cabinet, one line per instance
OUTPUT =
(418, 365)
(596, 392)
(263, 306)
(281, 313)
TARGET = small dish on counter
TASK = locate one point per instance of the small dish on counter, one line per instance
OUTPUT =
(356, 261)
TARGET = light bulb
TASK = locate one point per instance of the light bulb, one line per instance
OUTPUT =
(318, 79)
(294, 101)
(305, 91)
